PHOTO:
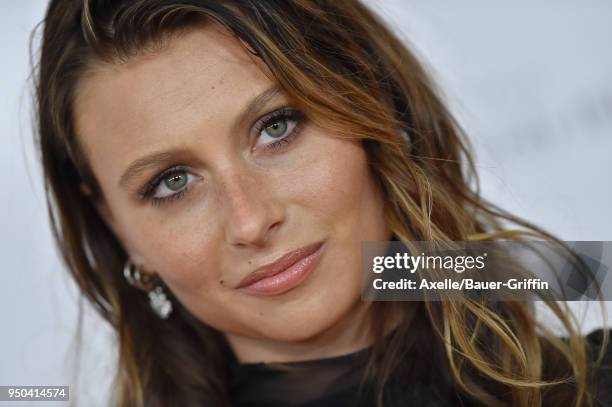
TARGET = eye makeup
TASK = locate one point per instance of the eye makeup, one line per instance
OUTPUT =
(284, 114)
(151, 187)
(292, 120)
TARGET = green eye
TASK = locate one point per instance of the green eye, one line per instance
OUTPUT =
(176, 181)
(277, 129)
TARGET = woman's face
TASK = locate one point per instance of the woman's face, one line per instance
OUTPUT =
(202, 192)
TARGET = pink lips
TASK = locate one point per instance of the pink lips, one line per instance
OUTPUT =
(285, 273)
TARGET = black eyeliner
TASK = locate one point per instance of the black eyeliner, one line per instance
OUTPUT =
(284, 113)
(146, 191)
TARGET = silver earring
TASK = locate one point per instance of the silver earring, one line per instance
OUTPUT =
(160, 302)
(157, 297)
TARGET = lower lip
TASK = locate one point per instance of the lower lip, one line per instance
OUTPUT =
(288, 279)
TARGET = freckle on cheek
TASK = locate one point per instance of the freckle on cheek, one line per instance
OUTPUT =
(221, 282)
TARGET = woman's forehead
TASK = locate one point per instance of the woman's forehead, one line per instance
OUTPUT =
(198, 80)
(204, 63)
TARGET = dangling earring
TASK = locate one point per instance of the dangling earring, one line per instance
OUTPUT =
(144, 281)
(160, 302)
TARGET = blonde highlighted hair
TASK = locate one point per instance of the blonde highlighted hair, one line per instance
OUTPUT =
(353, 76)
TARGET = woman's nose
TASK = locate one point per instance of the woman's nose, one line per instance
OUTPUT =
(252, 211)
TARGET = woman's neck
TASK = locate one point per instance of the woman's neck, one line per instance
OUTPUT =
(353, 333)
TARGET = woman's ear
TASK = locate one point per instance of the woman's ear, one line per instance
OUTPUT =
(85, 189)
(101, 207)
(104, 211)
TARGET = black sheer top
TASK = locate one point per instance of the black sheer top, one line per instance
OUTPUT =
(337, 382)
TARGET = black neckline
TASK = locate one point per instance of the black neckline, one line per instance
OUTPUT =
(344, 359)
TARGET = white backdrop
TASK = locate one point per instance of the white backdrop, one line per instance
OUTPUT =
(531, 83)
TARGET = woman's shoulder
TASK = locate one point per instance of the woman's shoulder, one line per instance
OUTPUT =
(600, 360)
(599, 374)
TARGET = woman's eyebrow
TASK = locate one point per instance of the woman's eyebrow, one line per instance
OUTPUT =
(256, 104)
(158, 158)
(148, 161)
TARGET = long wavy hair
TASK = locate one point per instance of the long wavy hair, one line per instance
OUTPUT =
(339, 62)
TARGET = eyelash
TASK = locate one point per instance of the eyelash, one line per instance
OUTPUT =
(281, 114)
(151, 187)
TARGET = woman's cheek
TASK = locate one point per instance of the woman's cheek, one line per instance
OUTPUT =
(184, 259)
(331, 178)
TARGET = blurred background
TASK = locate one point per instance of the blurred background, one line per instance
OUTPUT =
(531, 83)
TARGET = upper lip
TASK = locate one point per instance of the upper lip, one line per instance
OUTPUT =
(279, 265)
